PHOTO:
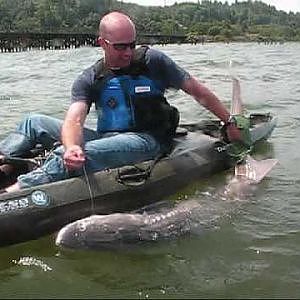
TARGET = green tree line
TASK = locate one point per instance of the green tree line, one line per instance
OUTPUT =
(220, 21)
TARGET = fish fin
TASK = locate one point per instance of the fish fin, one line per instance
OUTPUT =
(254, 170)
(250, 169)
(236, 103)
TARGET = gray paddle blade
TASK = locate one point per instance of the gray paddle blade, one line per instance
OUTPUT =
(254, 170)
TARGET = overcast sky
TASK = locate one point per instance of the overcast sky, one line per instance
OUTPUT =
(286, 5)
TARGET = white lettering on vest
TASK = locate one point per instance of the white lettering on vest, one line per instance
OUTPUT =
(142, 89)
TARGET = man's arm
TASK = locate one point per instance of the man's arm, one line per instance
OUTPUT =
(206, 98)
(72, 135)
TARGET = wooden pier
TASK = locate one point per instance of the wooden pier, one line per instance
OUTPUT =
(16, 41)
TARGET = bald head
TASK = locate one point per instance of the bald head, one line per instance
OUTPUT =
(117, 39)
(116, 26)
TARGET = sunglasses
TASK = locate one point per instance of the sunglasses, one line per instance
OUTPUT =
(121, 46)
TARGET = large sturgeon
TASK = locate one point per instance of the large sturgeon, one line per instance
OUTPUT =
(101, 231)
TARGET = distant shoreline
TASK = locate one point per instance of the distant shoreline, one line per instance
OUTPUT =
(18, 42)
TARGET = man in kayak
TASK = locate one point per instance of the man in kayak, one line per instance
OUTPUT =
(135, 122)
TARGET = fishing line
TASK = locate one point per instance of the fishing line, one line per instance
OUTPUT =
(90, 189)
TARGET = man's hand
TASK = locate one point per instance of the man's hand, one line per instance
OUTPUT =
(74, 158)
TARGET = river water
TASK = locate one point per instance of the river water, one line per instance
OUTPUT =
(251, 252)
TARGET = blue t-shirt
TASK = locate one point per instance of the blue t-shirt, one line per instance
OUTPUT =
(160, 67)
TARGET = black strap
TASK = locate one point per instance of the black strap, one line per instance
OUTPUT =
(136, 176)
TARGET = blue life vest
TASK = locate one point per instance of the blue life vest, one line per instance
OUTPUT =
(129, 100)
(116, 102)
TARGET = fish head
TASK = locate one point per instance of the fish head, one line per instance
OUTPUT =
(98, 231)
(73, 235)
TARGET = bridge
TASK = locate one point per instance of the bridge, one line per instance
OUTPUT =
(25, 41)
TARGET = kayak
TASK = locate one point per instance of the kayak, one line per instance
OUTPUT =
(198, 152)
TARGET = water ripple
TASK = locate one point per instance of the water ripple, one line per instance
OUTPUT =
(254, 250)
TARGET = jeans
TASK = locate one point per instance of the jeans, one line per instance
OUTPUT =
(102, 150)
